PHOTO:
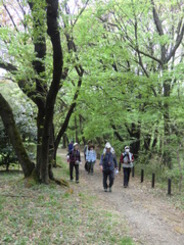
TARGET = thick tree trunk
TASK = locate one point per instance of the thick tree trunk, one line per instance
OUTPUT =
(53, 32)
(10, 126)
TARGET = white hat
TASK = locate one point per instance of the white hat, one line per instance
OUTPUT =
(75, 144)
(107, 145)
(127, 147)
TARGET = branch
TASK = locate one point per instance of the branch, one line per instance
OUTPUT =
(116, 133)
(160, 31)
(148, 55)
(157, 20)
(9, 195)
(11, 18)
(129, 131)
(70, 111)
(82, 10)
(178, 42)
(23, 11)
(7, 66)
(14, 136)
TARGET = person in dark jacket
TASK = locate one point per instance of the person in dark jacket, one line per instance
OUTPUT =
(107, 165)
(75, 160)
(70, 146)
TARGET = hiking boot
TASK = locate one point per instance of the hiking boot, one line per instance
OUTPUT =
(77, 181)
(105, 190)
(110, 189)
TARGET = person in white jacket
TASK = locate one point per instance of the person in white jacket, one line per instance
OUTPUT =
(126, 160)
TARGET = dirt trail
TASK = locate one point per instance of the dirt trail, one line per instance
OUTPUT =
(152, 220)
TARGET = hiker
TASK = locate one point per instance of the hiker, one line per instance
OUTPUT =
(75, 160)
(70, 146)
(126, 160)
(112, 149)
(115, 159)
(107, 165)
(86, 148)
(91, 159)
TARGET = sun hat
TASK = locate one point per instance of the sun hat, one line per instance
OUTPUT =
(107, 145)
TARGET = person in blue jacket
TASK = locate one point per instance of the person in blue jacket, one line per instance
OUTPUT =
(70, 146)
(107, 165)
(91, 159)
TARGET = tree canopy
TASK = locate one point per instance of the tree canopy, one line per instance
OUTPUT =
(101, 70)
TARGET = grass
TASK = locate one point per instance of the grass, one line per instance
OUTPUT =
(161, 181)
(50, 214)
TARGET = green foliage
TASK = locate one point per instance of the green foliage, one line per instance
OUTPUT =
(23, 109)
(7, 154)
(24, 114)
(127, 71)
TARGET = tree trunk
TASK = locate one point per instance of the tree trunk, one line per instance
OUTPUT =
(167, 155)
(51, 153)
(53, 32)
(40, 123)
(135, 134)
(65, 141)
(12, 131)
(76, 130)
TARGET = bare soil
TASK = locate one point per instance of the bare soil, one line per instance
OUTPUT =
(152, 219)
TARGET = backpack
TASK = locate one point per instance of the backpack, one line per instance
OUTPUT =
(106, 165)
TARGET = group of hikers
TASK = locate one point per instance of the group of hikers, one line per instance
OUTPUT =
(108, 163)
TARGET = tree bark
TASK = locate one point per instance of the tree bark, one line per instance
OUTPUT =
(68, 116)
(14, 136)
(135, 134)
(53, 32)
(39, 67)
(167, 131)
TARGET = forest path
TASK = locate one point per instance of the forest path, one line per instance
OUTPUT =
(152, 219)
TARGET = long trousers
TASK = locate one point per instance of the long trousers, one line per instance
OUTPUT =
(106, 174)
(90, 167)
(126, 172)
(72, 165)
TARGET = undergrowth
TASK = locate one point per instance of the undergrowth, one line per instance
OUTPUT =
(162, 174)
(51, 214)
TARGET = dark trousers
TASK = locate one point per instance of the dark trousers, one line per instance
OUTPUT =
(107, 174)
(126, 172)
(76, 166)
(90, 167)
